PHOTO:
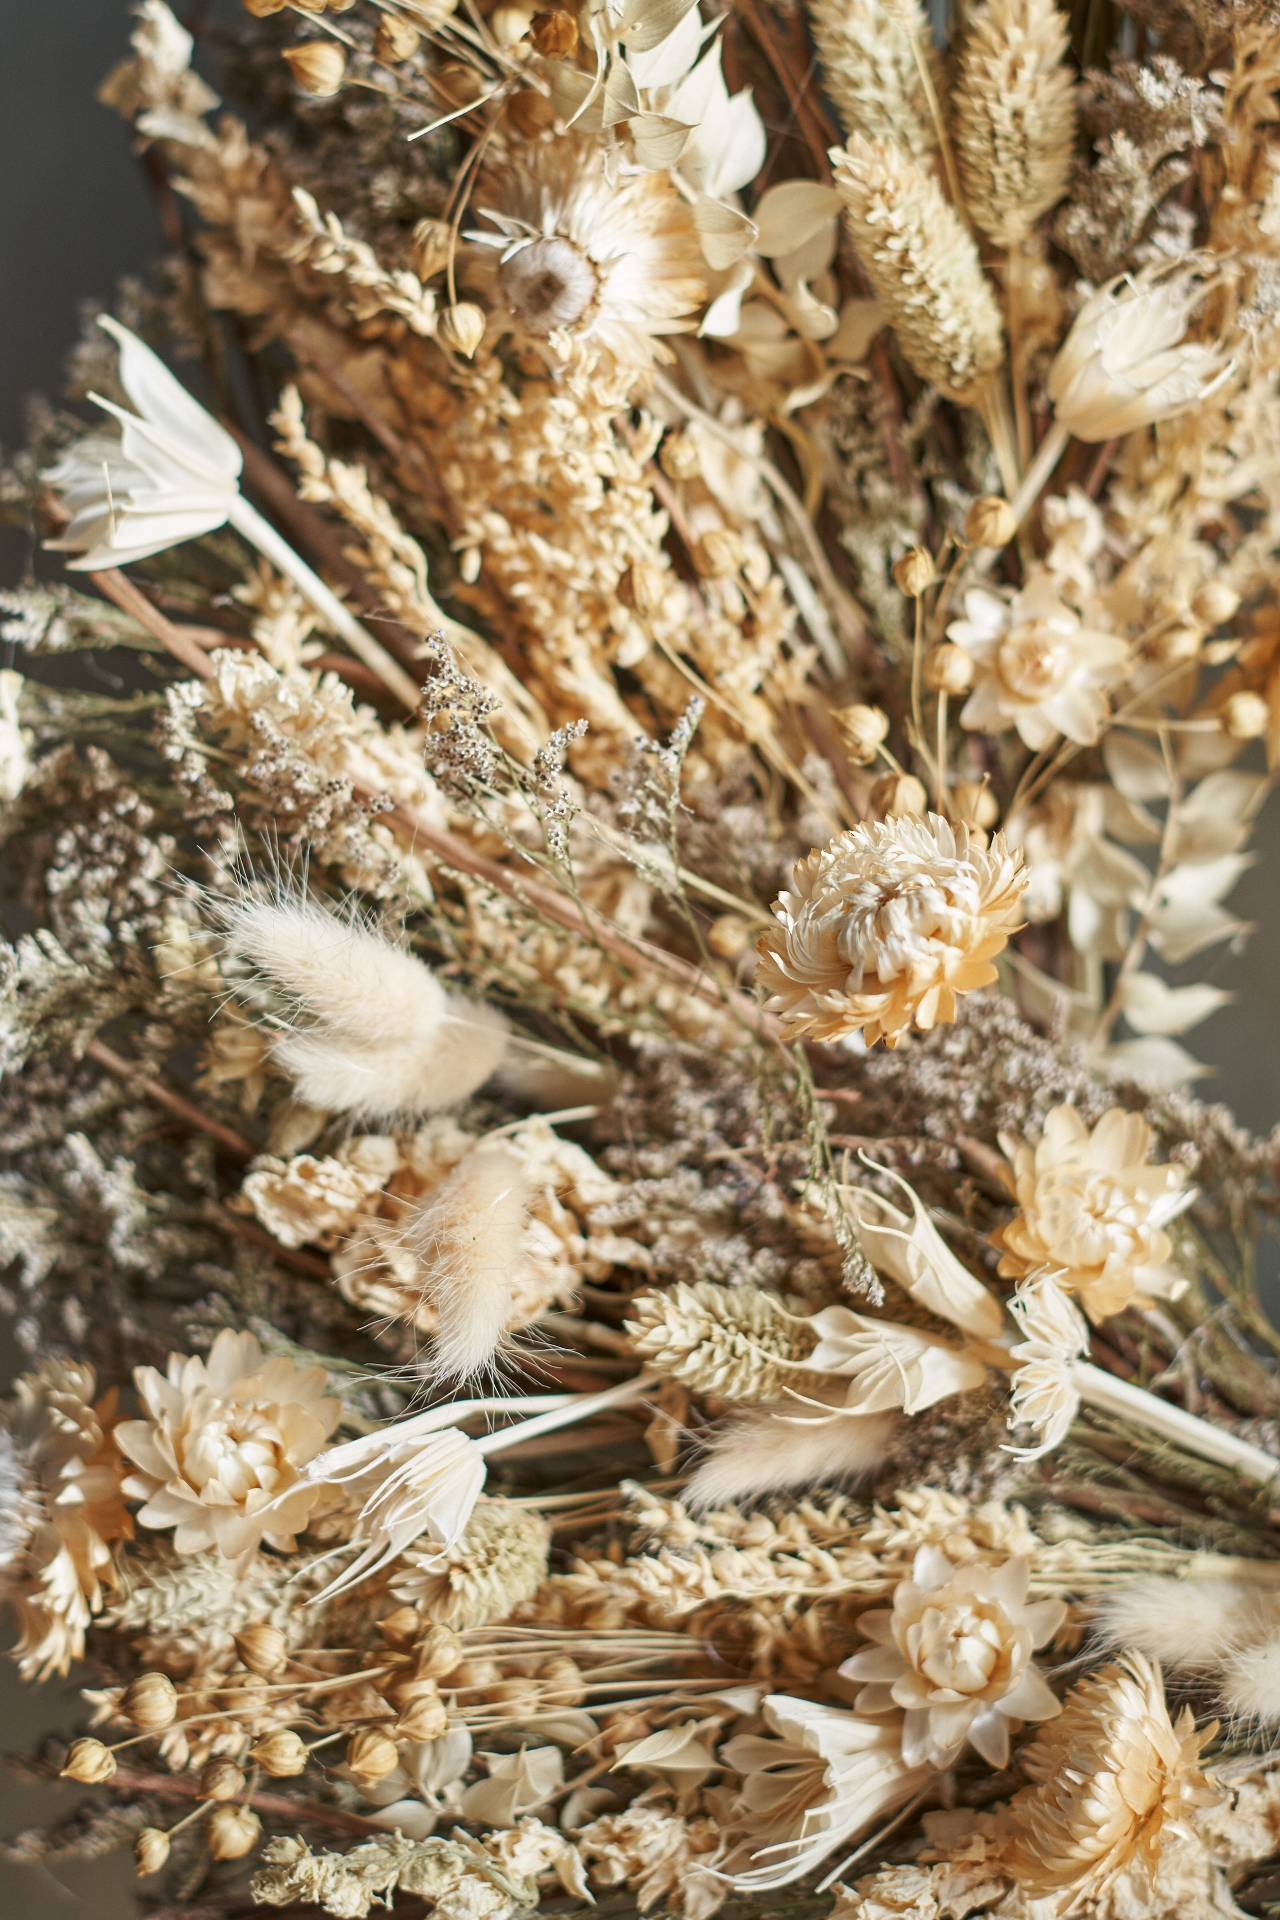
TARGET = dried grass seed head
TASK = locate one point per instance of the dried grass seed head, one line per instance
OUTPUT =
(499, 1562)
(1014, 109)
(466, 1242)
(872, 52)
(778, 1446)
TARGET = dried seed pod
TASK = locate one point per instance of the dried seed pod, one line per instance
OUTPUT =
(231, 1832)
(948, 669)
(641, 587)
(400, 1690)
(151, 1702)
(439, 1652)
(89, 1762)
(221, 1780)
(518, 1698)
(281, 1753)
(974, 803)
(554, 34)
(319, 67)
(719, 554)
(1245, 716)
(262, 1648)
(244, 1696)
(729, 936)
(862, 730)
(472, 1676)
(1215, 603)
(461, 328)
(371, 1755)
(396, 40)
(914, 573)
(898, 793)
(562, 1683)
(431, 242)
(990, 522)
(423, 1719)
(150, 1850)
(509, 25)
(679, 458)
(400, 1629)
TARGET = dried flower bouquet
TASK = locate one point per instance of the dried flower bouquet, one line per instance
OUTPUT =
(651, 678)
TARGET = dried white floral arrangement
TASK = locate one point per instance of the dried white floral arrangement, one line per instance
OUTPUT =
(625, 753)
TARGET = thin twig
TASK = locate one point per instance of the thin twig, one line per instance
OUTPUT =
(235, 1143)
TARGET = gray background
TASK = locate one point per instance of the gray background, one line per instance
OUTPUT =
(75, 213)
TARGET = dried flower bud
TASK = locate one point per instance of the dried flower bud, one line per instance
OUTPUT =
(459, 83)
(678, 457)
(1245, 716)
(509, 25)
(439, 1652)
(914, 573)
(461, 328)
(898, 793)
(262, 1648)
(1181, 642)
(990, 522)
(396, 40)
(221, 1780)
(151, 1702)
(948, 669)
(1215, 603)
(281, 1753)
(372, 1755)
(470, 1676)
(554, 34)
(641, 587)
(431, 242)
(974, 803)
(150, 1850)
(562, 1684)
(719, 553)
(319, 67)
(401, 1628)
(403, 1688)
(231, 1832)
(89, 1762)
(862, 731)
(729, 936)
(424, 1719)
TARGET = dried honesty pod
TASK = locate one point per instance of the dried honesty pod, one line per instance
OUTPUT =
(615, 990)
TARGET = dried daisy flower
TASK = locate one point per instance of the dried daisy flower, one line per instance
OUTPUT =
(887, 924)
(1115, 1781)
(373, 1032)
(955, 1653)
(874, 55)
(219, 1454)
(1040, 669)
(61, 1510)
(922, 264)
(733, 1341)
(1013, 106)
(586, 253)
(823, 1778)
(1094, 1210)
(775, 1446)
(498, 1562)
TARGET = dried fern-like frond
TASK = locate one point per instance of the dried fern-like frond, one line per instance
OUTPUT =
(873, 54)
(922, 265)
(734, 1341)
(1015, 117)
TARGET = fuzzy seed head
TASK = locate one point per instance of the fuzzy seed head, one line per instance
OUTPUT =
(1015, 116)
(733, 1341)
(499, 1562)
(466, 1243)
(872, 52)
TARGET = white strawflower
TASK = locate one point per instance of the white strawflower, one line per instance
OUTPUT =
(221, 1451)
(887, 924)
(1126, 361)
(1040, 669)
(1094, 1210)
(955, 1653)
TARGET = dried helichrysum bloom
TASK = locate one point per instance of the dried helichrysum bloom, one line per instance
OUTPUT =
(462, 328)
(280, 1753)
(990, 522)
(862, 730)
(1040, 669)
(955, 1653)
(219, 1454)
(319, 66)
(948, 669)
(922, 265)
(897, 794)
(151, 1702)
(372, 1755)
(887, 924)
(231, 1832)
(1013, 105)
(914, 573)
(373, 1031)
(498, 1563)
(606, 256)
(736, 1342)
(1092, 1209)
(89, 1762)
(62, 1509)
(872, 52)
(1127, 362)
(1115, 1781)
(150, 1851)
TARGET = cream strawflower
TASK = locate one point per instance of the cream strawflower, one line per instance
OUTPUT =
(1039, 669)
(887, 924)
(221, 1451)
(60, 1510)
(1116, 1781)
(581, 253)
(1126, 361)
(955, 1652)
(1093, 1209)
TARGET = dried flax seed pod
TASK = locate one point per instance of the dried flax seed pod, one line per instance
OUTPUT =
(923, 266)
(1014, 109)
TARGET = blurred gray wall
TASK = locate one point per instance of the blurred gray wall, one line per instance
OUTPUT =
(75, 213)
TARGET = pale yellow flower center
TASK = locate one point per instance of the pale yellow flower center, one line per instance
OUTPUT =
(548, 284)
(959, 1646)
(1034, 660)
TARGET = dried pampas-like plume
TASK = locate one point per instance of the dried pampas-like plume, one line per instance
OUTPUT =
(770, 1448)
(733, 1341)
(1189, 1626)
(922, 265)
(872, 54)
(1015, 115)
(1250, 1690)
(466, 1243)
(376, 1034)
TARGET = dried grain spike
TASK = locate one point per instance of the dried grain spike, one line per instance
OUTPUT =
(1014, 110)
(733, 1341)
(871, 52)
